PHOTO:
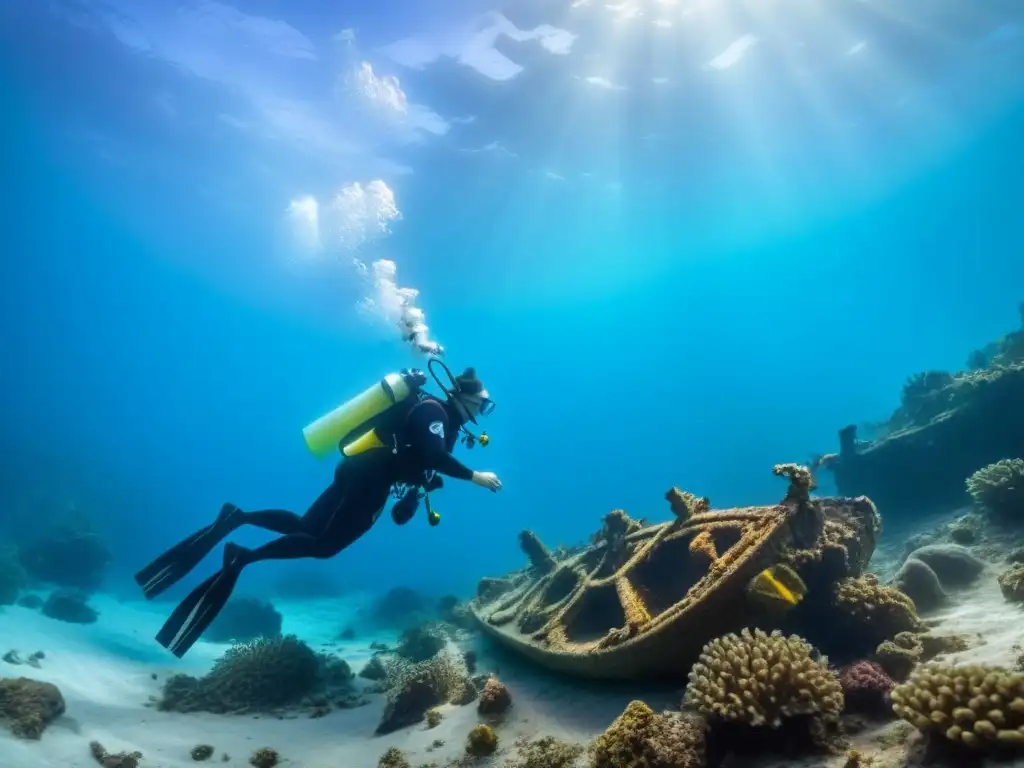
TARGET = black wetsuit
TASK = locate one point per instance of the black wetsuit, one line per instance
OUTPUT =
(422, 439)
(350, 506)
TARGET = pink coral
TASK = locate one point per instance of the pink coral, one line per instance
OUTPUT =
(866, 687)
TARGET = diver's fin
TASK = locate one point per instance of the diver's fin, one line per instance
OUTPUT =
(174, 564)
(779, 585)
(197, 611)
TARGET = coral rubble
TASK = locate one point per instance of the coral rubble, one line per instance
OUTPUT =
(545, 752)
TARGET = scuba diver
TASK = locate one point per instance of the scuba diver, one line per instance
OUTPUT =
(405, 438)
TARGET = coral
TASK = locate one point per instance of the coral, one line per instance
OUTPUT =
(12, 576)
(113, 759)
(866, 687)
(801, 481)
(640, 738)
(761, 679)
(925, 396)
(70, 606)
(872, 612)
(421, 643)
(452, 611)
(415, 688)
(685, 505)
(545, 752)
(70, 554)
(966, 529)
(976, 706)
(373, 669)
(399, 607)
(244, 619)
(32, 602)
(494, 698)
(999, 488)
(264, 757)
(202, 752)
(393, 758)
(29, 705)
(540, 557)
(433, 718)
(481, 741)
(333, 672)
(954, 565)
(253, 677)
(899, 655)
(920, 583)
(934, 645)
(1011, 582)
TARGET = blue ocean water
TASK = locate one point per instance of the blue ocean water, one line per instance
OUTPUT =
(675, 253)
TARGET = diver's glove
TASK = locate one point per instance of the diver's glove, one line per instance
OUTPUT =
(487, 480)
(434, 483)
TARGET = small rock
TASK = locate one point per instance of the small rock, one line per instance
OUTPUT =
(919, 582)
(264, 757)
(202, 752)
(494, 699)
(954, 565)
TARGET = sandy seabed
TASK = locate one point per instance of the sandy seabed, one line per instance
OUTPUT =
(110, 671)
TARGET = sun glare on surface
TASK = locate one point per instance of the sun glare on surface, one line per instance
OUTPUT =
(826, 83)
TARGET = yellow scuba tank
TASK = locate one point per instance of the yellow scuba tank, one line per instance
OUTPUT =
(324, 435)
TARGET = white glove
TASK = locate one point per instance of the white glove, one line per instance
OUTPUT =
(487, 480)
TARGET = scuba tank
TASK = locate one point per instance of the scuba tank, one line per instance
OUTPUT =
(350, 423)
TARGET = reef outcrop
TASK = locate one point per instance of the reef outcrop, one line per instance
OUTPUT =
(641, 601)
(947, 427)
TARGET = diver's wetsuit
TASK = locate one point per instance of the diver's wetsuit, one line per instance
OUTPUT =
(345, 511)
(353, 502)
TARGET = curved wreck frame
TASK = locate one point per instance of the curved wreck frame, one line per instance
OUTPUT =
(641, 601)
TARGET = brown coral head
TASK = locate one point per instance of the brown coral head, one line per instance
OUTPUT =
(494, 699)
(482, 741)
